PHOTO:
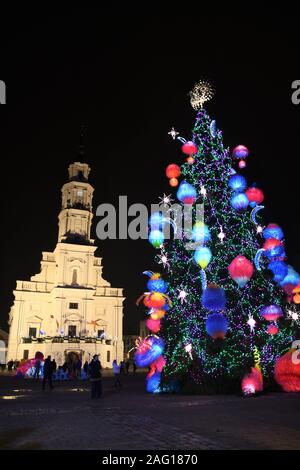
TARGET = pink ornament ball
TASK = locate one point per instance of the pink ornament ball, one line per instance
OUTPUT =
(189, 148)
(153, 325)
(240, 152)
(272, 330)
(242, 164)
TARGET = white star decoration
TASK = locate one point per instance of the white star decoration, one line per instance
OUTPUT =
(251, 322)
(259, 229)
(188, 348)
(166, 200)
(182, 295)
(163, 260)
(173, 133)
(294, 315)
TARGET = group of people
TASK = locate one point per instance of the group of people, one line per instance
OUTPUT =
(92, 370)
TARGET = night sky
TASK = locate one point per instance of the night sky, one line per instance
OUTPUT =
(127, 79)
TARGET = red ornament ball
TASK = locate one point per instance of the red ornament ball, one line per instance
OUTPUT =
(173, 182)
(272, 330)
(189, 148)
(271, 243)
(255, 195)
(287, 371)
(172, 171)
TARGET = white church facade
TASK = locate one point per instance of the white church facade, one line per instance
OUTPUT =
(68, 309)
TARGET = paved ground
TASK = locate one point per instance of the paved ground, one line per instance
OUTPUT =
(66, 418)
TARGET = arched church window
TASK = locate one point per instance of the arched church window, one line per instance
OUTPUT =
(74, 277)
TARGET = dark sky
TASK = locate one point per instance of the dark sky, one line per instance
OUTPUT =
(127, 78)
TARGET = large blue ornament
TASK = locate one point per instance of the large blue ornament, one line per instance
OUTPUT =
(276, 252)
(156, 238)
(279, 270)
(239, 202)
(201, 233)
(273, 231)
(152, 384)
(216, 325)
(237, 183)
(213, 298)
(292, 277)
(156, 221)
(145, 356)
(186, 193)
(157, 285)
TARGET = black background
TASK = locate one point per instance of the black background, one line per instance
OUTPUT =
(127, 78)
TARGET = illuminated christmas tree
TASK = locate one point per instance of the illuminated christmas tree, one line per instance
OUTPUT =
(227, 274)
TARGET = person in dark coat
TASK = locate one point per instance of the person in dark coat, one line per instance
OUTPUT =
(48, 371)
(86, 367)
(127, 365)
(95, 377)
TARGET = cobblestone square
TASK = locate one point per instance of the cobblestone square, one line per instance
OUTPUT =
(130, 419)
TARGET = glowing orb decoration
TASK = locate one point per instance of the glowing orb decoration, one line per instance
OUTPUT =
(202, 92)
(157, 285)
(216, 325)
(148, 350)
(290, 281)
(242, 164)
(241, 270)
(240, 152)
(237, 183)
(190, 160)
(239, 202)
(189, 148)
(279, 270)
(274, 249)
(287, 371)
(154, 300)
(273, 231)
(255, 196)
(252, 382)
(186, 193)
(272, 330)
(173, 182)
(158, 313)
(152, 383)
(213, 298)
(172, 171)
(156, 221)
(156, 238)
(201, 233)
(203, 256)
(153, 325)
(296, 294)
(271, 312)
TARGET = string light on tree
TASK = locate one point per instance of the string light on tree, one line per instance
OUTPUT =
(202, 92)
(221, 234)
(163, 259)
(173, 133)
(251, 322)
(203, 191)
(259, 229)
(293, 315)
(188, 348)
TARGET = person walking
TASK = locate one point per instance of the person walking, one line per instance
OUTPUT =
(54, 366)
(37, 369)
(10, 365)
(47, 372)
(95, 377)
(116, 369)
(78, 369)
(86, 367)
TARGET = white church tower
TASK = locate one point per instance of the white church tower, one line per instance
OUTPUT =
(68, 310)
